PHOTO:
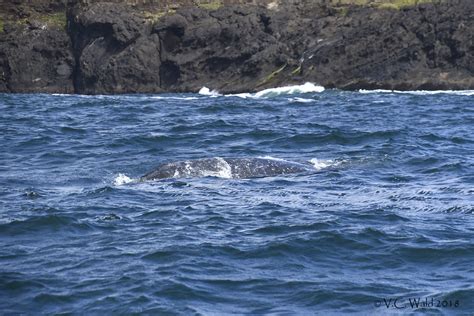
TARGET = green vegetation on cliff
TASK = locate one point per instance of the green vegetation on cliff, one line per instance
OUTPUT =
(382, 4)
(398, 4)
(210, 5)
(56, 20)
(51, 15)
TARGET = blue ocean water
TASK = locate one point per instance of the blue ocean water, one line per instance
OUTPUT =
(383, 226)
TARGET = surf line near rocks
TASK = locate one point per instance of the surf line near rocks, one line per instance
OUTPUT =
(307, 87)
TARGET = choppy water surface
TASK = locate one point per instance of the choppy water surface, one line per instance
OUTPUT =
(387, 215)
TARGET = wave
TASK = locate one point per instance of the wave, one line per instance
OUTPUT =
(122, 179)
(301, 100)
(173, 98)
(62, 94)
(50, 223)
(421, 92)
(320, 164)
(308, 87)
(208, 92)
(137, 97)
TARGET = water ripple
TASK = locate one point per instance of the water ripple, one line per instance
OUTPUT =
(387, 215)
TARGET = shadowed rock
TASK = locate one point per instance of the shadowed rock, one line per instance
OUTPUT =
(36, 59)
(113, 48)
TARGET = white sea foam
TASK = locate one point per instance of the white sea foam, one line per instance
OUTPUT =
(122, 179)
(421, 92)
(156, 134)
(301, 100)
(125, 97)
(62, 94)
(320, 164)
(272, 158)
(308, 87)
(208, 92)
(241, 95)
(173, 98)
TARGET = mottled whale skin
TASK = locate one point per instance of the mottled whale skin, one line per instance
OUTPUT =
(237, 168)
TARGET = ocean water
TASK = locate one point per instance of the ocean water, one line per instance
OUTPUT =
(383, 226)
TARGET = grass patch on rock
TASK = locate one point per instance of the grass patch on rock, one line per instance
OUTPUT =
(383, 4)
(54, 20)
(210, 5)
(154, 17)
(399, 4)
(1, 24)
(271, 76)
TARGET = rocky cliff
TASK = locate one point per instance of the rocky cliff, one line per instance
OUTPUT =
(116, 47)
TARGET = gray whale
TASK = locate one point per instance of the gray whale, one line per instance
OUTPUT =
(237, 168)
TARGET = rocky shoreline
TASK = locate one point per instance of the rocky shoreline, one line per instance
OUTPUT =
(108, 48)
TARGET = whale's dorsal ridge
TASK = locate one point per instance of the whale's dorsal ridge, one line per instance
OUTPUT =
(237, 168)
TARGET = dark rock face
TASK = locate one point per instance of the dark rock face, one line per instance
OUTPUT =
(110, 48)
(231, 49)
(426, 47)
(114, 50)
(36, 59)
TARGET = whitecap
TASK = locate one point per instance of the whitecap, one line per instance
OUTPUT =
(320, 164)
(122, 179)
(301, 100)
(241, 95)
(157, 134)
(174, 98)
(62, 95)
(272, 158)
(308, 87)
(421, 92)
(206, 91)
(363, 91)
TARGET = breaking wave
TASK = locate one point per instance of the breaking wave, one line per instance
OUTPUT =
(208, 92)
(421, 92)
(320, 164)
(308, 87)
(122, 179)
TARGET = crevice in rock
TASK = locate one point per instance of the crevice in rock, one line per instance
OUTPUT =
(169, 74)
(75, 52)
(170, 41)
(265, 20)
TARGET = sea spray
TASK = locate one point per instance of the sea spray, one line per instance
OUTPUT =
(308, 87)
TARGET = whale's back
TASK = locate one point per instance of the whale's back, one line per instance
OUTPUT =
(262, 167)
(236, 168)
